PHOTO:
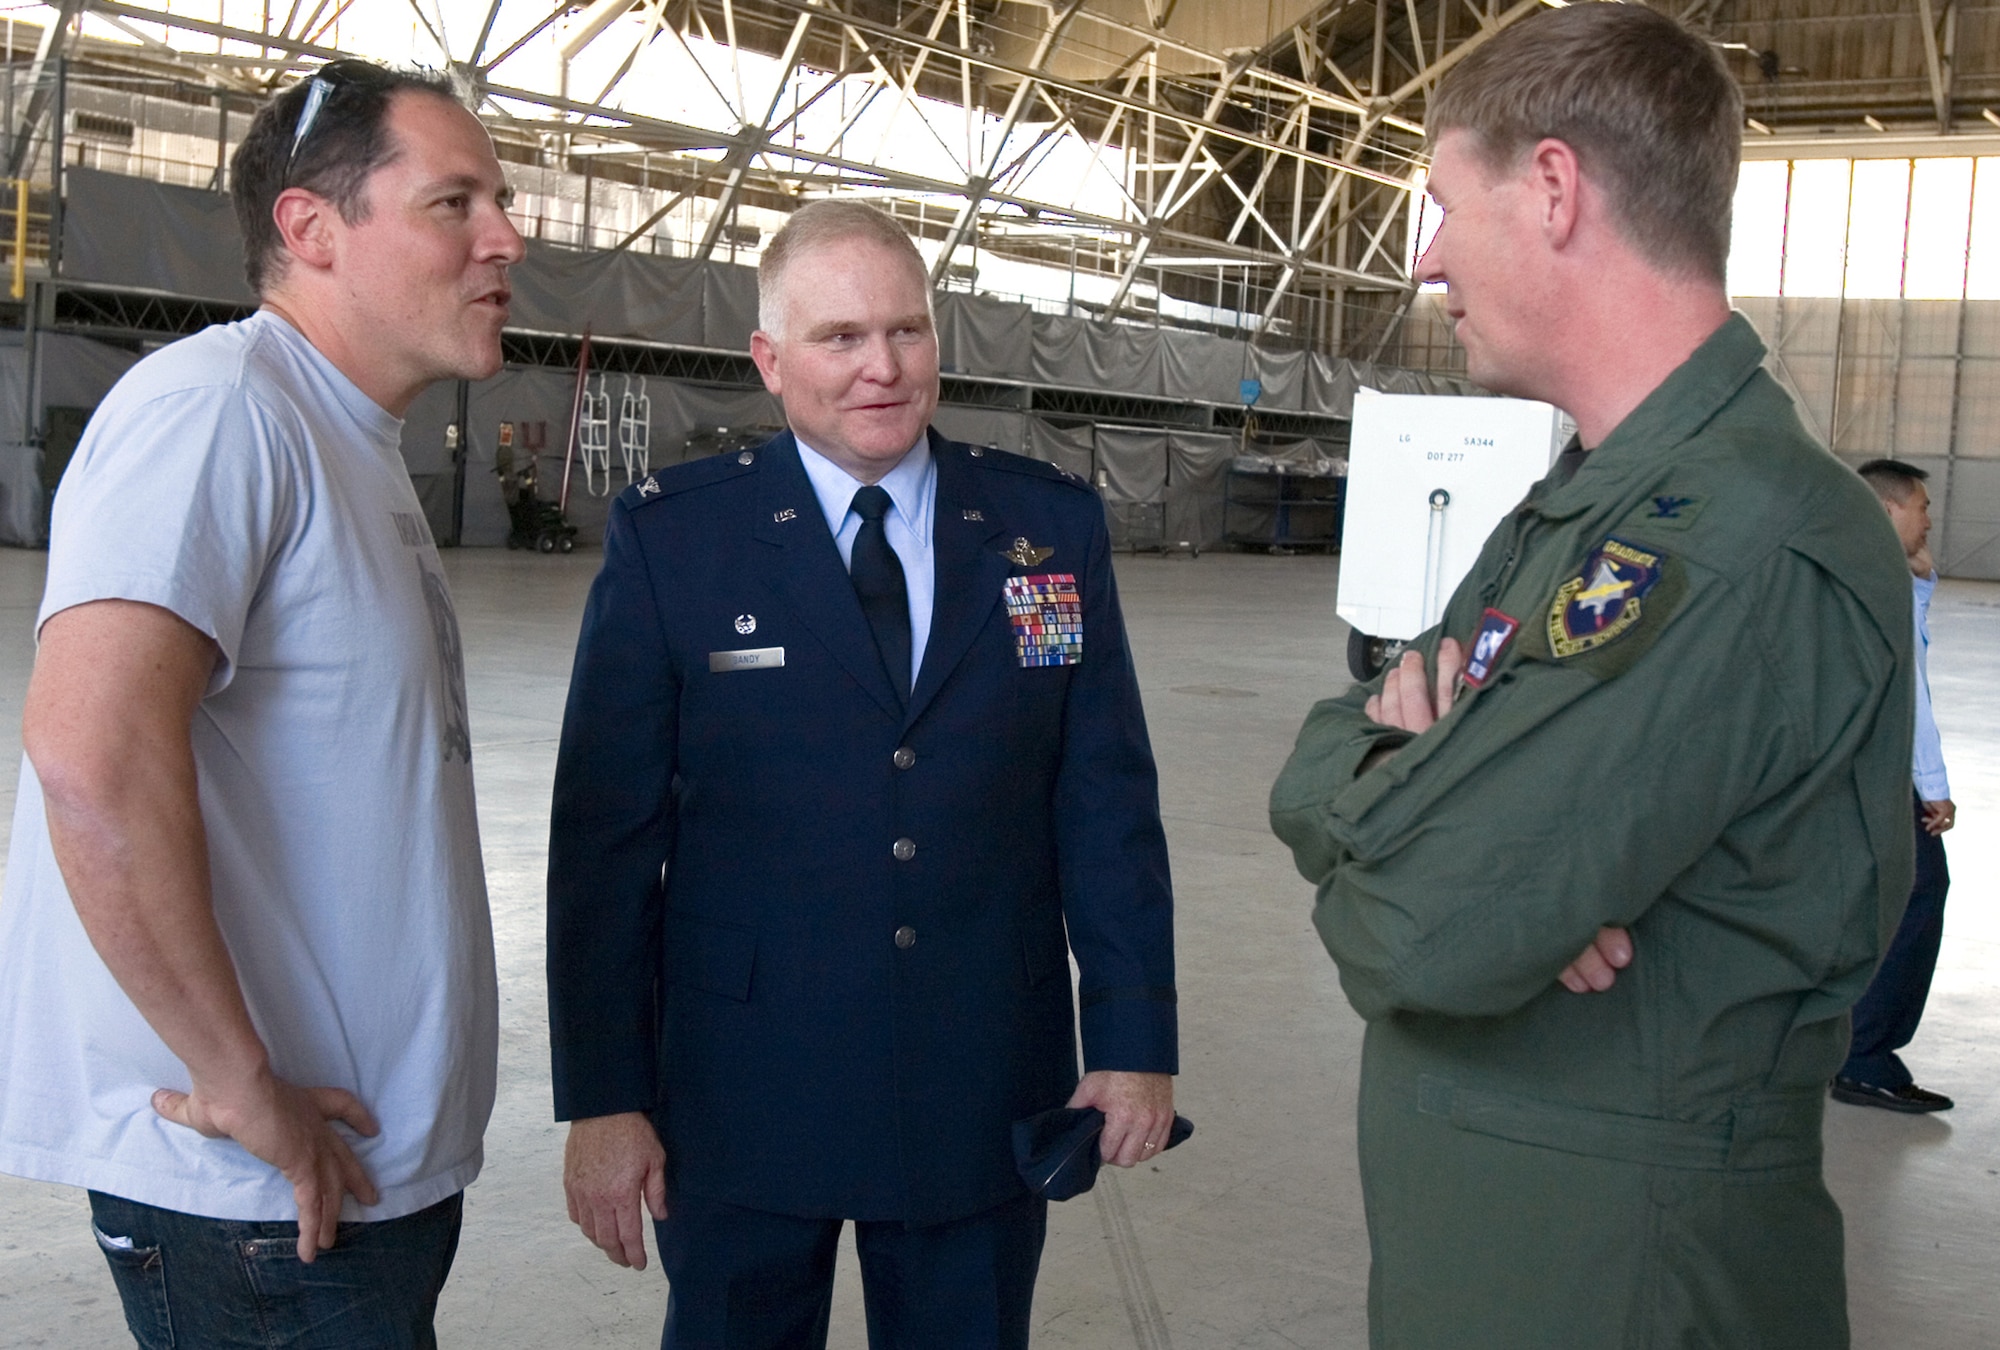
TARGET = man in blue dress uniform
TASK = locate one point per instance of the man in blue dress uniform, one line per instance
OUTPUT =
(853, 763)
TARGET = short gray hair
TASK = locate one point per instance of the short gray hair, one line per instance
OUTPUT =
(1652, 113)
(817, 224)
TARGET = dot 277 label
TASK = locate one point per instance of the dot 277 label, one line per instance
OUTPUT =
(1047, 617)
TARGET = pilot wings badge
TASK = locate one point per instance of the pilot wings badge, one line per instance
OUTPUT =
(1025, 554)
(1603, 600)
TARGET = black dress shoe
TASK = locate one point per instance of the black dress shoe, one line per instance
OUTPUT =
(1912, 1100)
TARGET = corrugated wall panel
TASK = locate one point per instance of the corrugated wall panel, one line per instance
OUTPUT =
(1970, 546)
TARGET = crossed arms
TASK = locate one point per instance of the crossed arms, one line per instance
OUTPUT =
(1412, 700)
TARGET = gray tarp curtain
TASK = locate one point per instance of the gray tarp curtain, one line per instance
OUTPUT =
(728, 304)
(1283, 375)
(562, 290)
(980, 336)
(76, 373)
(129, 232)
(1112, 358)
(1066, 447)
(1202, 366)
(997, 427)
(183, 241)
(1197, 464)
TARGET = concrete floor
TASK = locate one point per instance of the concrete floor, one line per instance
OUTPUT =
(1250, 1236)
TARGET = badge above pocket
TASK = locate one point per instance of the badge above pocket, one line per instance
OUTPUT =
(1047, 617)
(1496, 630)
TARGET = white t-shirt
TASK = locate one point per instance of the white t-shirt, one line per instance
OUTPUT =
(239, 480)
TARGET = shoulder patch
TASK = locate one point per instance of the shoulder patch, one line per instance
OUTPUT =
(1008, 462)
(1603, 600)
(698, 473)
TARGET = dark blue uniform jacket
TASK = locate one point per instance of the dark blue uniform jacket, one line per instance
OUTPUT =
(820, 1026)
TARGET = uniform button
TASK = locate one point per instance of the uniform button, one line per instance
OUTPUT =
(904, 849)
(904, 757)
(748, 457)
(906, 937)
(979, 452)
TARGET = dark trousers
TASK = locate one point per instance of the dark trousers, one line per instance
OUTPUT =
(188, 1281)
(741, 1279)
(1886, 1017)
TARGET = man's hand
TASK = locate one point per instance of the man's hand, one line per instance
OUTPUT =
(1410, 699)
(610, 1164)
(1138, 1111)
(288, 1127)
(1939, 816)
(1596, 969)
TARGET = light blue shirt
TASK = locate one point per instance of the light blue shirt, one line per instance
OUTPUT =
(912, 488)
(1927, 767)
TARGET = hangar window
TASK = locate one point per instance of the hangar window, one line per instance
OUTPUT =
(1918, 229)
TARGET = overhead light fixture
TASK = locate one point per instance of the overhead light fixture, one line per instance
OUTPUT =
(1873, 123)
(1990, 116)
(1758, 127)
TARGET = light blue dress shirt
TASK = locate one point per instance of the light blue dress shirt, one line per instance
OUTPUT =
(912, 488)
(1927, 767)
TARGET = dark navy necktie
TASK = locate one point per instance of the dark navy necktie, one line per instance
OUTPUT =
(878, 580)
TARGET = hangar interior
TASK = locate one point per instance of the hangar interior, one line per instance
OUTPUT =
(1169, 240)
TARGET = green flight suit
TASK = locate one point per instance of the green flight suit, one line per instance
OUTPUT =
(1699, 730)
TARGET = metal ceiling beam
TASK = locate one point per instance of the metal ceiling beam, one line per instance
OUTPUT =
(1190, 123)
(751, 139)
(41, 99)
(1937, 63)
(977, 185)
(1149, 227)
(802, 167)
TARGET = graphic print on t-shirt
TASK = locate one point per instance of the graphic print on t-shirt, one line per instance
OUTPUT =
(451, 665)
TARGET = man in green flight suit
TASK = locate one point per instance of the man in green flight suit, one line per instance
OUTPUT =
(1665, 723)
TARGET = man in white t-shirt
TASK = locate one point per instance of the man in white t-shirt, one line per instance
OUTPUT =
(246, 967)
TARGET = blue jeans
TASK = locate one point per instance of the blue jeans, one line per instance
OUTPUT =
(188, 1281)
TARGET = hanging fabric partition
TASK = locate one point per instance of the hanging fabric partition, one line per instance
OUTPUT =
(728, 306)
(978, 335)
(76, 373)
(1197, 469)
(1107, 358)
(1283, 375)
(564, 290)
(1202, 367)
(1066, 447)
(1001, 428)
(122, 231)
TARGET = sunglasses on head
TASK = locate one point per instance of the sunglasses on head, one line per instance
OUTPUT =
(330, 78)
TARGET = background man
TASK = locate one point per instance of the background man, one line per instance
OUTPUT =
(1886, 1017)
(1696, 729)
(853, 741)
(246, 969)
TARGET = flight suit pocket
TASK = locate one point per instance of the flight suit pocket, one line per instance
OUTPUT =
(717, 958)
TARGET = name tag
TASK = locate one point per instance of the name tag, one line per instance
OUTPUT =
(751, 658)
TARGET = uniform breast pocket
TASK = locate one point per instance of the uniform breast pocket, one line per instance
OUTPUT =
(715, 957)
